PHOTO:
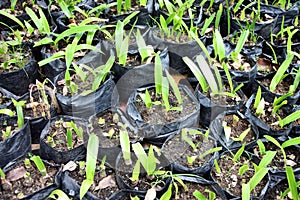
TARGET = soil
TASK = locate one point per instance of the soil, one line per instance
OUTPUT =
(4, 100)
(3, 128)
(292, 156)
(191, 188)
(229, 178)
(157, 114)
(280, 41)
(277, 190)
(238, 127)
(112, 125)
(282, 87)
(18, 185)
(177, 150)
(104, 180)
(270, 119)
(264, 18)
(20, 7)
(57, 135)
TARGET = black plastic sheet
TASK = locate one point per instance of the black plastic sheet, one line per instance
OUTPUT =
(151, 130)
(210, 110)
(25, 76)
(85, 106)
(17, 145)
(6, 94)
(49, 153)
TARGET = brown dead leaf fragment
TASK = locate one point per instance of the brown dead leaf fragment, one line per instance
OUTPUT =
(151, 194)
(106, 182)
(16, 174)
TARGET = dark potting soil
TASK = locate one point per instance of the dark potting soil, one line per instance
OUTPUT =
(22, 181)
(292, 156)
(57, 136)
(240, 64)
(282, 87)
(277, 190)
(229, 179)
(158, 114)
(104, 182)
(191, 188)
(107, 127)
(177, 150)
(20, 7)
(238, 127)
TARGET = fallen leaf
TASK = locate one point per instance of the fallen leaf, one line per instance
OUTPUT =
(290, 163)
(70, 166)
(151, 194)
(16, 174)
(106, 182)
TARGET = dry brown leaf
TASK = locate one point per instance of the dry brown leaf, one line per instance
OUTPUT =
(108, 181)
(16, 174)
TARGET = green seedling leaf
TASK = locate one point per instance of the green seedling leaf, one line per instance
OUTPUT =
(19, 109)
(55, 56)
(75, 30)
(146, 98)
(148, 162)
(58, 195)
(167, 195)
(12, 17)
(2, 174)
(261, 147)
(199, 195)
(239, 153)
(246, 191)
(218, 169)
(6, 111)
(158, 76)
(242, 135)
(219, 46)
(207, 22)
(136, 171)
(197, 73)
(39, 164)
(91, 160)
(291, 142)
(260, 110)
(275, 142)
(65, 9)
(125, 145)
(280, 72)
(69, 138)
(257, 97)
(187, 139)
(267, 159)
(243, 169)
(258, 176)
(290, 118)
(174, 87)
(292, 182)
(241, 42)
(210, 151)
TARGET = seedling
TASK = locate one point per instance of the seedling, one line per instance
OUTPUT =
(287, 143)
(41, 23)
(91, 159)
(200, 196)
(125, 145)
(148, 161)
(146, 51)
(19, 109)
(58, 194)
(39, 164)
(293, 185)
